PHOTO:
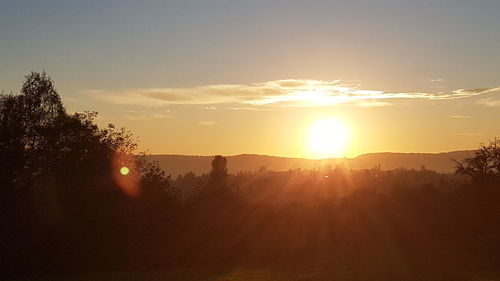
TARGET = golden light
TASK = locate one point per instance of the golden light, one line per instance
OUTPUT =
(328, 138)
(124, 170)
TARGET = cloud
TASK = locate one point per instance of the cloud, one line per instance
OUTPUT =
(207, 123)
(477, 91)
(459, 116)
(278, 93)
(139, 115)
(437, 80)
(471, 134)
(489, 102)
(373, 104)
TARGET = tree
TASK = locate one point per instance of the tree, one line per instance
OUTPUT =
(11, 135)
(41, 106)
(217, 179)
(218, 174)
(484, 167)
(43, 147)
(154, 181)
(61, 180)
(27, 128)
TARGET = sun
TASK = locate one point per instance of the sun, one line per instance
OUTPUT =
(328, 138)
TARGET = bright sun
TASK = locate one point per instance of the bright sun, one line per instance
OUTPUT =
(328, 138)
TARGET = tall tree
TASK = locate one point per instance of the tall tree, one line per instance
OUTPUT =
(484, 167)
(41, 106)
(217, 179)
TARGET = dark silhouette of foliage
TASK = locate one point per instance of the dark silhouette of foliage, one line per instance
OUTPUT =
(155, 181)
(59, 183)
(218, 174)
(11, 144)
(484, 167)
(217, 179)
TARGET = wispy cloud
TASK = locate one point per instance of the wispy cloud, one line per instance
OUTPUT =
(207, 123)
(437, 80)
(373, 103)
(281, 93)
(489, 102)
(139, 115)
(471, 134)
(460, 116)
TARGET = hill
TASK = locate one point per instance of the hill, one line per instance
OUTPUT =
(440, 162)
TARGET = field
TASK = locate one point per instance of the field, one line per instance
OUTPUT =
(385, 272)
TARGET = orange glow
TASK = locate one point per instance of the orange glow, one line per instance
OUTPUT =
(328, 138)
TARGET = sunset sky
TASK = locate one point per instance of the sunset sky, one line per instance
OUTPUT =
(232, 77)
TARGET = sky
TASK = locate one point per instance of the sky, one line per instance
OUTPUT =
(232, 77)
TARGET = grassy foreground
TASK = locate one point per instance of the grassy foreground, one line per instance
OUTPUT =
(256, 274)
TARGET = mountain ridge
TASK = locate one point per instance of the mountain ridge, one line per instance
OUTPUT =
(178, 164)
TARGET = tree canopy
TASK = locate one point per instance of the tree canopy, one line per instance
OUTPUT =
(484, 167)
(42, 147)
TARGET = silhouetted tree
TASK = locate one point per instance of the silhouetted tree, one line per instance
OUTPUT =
(11, 140)
(187, 184)
(59, 183)
(154, 181)
(41, 106)
(217, 179)
(219, 169)
(484, 167)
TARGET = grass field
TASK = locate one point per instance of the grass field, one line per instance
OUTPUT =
(255, 274)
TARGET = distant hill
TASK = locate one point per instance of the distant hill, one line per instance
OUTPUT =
(441, 162)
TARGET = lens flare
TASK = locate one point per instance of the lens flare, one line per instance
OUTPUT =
(124, 170)
(125, 175)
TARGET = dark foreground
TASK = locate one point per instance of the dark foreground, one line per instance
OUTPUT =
(388, 271)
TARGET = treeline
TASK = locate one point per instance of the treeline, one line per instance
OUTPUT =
(416, 224)
(325, 182)
(75, 198)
